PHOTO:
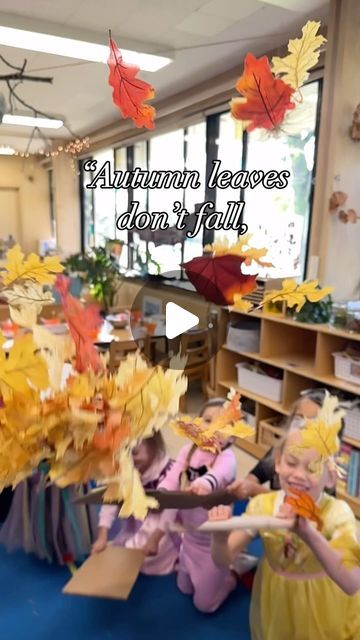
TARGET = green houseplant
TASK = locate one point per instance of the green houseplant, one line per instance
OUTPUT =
(99, 270)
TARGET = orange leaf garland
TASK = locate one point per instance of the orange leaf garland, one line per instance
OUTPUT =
(267, 99)
(129, 92)
(304, 506)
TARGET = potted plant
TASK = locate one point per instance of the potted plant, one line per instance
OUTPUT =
(99, 271)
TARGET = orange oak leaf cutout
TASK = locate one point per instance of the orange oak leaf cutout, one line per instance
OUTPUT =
(265, 100)
(303, 505)
(130, 92)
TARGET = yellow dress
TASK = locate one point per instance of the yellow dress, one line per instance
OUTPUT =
(293, 598)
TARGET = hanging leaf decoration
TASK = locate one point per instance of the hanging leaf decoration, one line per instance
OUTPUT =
(267, 99)
(129, 92)
(304, 506)
(303, 55)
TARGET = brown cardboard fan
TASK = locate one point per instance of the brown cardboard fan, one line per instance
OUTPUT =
(168, 499)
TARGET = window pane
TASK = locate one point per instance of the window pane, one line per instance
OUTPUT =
(279, 218)
(230, 154)
(196, 161)
(88, 207)
(104, 203)
(166, 154)
(121, 204)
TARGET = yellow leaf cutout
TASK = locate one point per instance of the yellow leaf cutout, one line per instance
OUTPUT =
(32, 268)
(321, 433)
(21, 369)
(303, 55)
(240, 248)
(240, 304)
(296, 295)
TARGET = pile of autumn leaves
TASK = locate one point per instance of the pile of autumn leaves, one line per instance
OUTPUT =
(87, 429)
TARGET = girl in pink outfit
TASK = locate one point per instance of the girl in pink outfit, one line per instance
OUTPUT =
(153, 464)
(200, 472)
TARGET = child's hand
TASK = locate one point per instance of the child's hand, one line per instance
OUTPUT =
(99, 545)
(198, 490)
(221, 512)
(151, 547)
(243, 489)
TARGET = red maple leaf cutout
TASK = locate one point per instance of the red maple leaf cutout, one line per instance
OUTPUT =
(303, 505)
(129, 92)
(84, 324)
(267, 97)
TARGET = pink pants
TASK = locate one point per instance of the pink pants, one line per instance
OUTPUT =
(200, 577)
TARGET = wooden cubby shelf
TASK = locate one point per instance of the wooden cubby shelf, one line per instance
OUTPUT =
(304, 355)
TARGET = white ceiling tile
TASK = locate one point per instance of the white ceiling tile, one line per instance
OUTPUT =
(297, 5)
(203, 24)
(231, 9)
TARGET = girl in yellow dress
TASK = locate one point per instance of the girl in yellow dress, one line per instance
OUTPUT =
(307, 585)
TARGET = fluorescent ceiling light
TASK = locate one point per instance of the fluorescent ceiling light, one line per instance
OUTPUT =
(29, 121)
(7, 151)
(70, 48)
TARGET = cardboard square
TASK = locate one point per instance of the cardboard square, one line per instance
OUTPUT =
(109, 574)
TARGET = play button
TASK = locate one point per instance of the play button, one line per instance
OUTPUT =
(178, 320)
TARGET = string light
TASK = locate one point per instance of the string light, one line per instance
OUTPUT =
(74, 148)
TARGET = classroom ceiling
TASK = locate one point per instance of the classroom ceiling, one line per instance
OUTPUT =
(203, 38)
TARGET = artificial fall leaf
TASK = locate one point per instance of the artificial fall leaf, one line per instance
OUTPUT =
(240, 248)
(24, 316)
(296, 295)
(84, 323)
(55, 349)
(29, 295)
(267, 98)
(239, 429)
(303, 55)
(321, 433)
(303, 505)
(22, 369)
(135, 502)
(191, 428)
(130, 92)
(32, 268)
(338, 199)
(241, 305)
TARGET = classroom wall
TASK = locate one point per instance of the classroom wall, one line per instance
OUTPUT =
(338, 244)
(31, 181)
(66, 205)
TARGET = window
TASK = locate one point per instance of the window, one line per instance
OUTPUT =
(280, 219)
(104, 203)
(230, 153)
(86, 207)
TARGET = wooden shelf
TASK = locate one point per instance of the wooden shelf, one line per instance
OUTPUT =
(232, 384)
(301, 364)
(322, 328)
(253, 448)
(352, 501)
(352, 441)
(304, 352)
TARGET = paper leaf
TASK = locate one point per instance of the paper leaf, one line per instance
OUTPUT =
(40, 271)
(130, 92)
(241, 305)
(304, 506)
(267, 98)
(296, 295)
(303, 55)
(21, 368)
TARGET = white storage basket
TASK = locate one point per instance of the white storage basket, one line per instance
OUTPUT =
(259, 383)
(244, 339)
(347, 368)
